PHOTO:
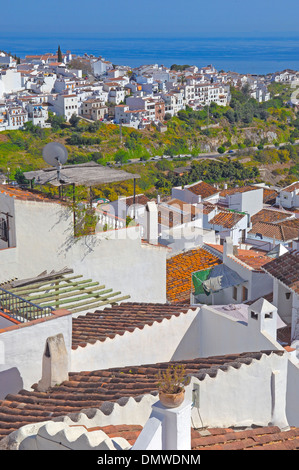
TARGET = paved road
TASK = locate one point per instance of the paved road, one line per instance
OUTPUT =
(209, 154)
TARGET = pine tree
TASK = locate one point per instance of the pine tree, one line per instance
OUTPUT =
(59, 54)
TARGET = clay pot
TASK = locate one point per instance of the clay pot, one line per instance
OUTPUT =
(172, 400)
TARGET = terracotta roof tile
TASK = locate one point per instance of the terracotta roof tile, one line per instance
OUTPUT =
(241, 189)
(116, 320)
(285, 269)
(139, 199)
(86, 391)
(203, 189)
(270, 215)
(27, 194)
(255, 438)
(269, 196)
(179, 269)
(252, 258)
(226, 219)
(281, 230)
(175, 212)
(292, 187)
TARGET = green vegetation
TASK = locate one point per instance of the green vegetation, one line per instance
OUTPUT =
(179, 67)
(244, 124)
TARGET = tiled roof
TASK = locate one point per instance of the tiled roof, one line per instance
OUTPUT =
(226, 219)
(250, 438)
(87, 391)
(241, 189)
(139, 199)
(269, 215)
(254, 259)
(27, 194)
(179, 270)
(207, 207)
(256, 438)
(175, 212)
(291, 187)
(290, 228)
(116, 320)
(203, 189)
(269, 196)
(283, 231)
(285, 268)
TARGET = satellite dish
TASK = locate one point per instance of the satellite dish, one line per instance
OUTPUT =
(55, 154)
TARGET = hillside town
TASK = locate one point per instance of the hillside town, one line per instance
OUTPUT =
(99, 90)
(203, 281)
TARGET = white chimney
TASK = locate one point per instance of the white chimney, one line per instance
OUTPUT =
(151, 212)
(166, 429)
(228, 247)
(55, 363)
(262, 315)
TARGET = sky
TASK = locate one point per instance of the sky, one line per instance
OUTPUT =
(151, 17)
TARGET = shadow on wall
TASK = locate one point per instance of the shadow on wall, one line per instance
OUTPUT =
(10, 381)
(188, 347)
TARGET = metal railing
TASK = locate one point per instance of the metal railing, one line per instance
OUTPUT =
(20, 309)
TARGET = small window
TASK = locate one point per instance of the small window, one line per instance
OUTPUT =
(269, 315)
(244, 293)
(3, 230)
(235, 293)
(170, 219)
(254, 315)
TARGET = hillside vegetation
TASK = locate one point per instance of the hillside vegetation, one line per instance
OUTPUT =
(240, 126)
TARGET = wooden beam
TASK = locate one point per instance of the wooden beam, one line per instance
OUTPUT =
(77, 299)
(45, 298)
(100, 304)
(42, 287)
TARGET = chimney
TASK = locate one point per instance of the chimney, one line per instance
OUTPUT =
(55, 363)
(235, 250)
(228, 247)
(166, 429)
(151, 212)
(262, 315)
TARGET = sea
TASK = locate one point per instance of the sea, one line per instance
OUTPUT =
(260, 54)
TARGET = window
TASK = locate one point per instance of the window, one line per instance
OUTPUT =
(235, 293)
(170, 219)
(244, 293)
(254, 315)
(3, 230)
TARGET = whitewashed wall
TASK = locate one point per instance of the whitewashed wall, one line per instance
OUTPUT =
(44, 238)
(23, 348)
(251, 394)
(220, 334)
(173, 339)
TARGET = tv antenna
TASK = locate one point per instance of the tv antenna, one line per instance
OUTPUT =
(55, 154)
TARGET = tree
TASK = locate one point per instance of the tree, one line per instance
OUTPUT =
(59, 55)
(121, 156)
(74, 120)
(20, 177)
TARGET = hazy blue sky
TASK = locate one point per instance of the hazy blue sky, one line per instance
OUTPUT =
(178, 17)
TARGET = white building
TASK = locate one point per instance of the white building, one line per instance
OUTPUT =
(131, 118)
(289, 196)
(16, 117)
(10, 81)
(38, 114)
(64, 105)
(244, 199)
